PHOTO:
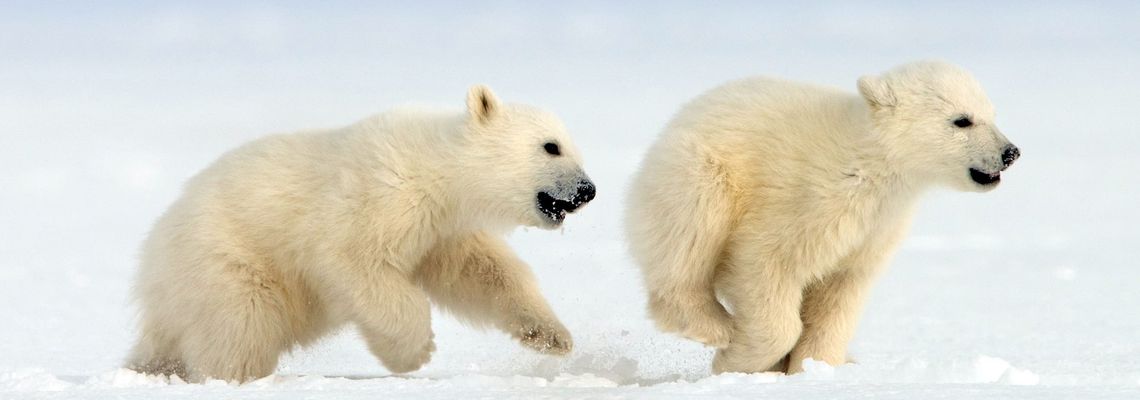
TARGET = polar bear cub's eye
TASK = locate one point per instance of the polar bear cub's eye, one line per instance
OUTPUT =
(963, 122)
(552, 149)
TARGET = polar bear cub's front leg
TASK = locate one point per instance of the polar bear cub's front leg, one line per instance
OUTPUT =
(766, 310)
(830, 312)
(394, 317)
(831, 306)
(477, 278)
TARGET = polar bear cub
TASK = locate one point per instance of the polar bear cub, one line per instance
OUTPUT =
(287, 238)
(784, 200)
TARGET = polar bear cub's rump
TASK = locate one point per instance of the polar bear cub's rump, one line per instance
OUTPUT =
(766, 207)
(289, 237)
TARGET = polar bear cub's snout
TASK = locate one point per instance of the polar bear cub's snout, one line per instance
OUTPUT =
(556, 202)
(1009, 155)
(979, 175)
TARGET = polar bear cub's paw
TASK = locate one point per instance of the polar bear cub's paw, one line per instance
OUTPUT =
(546, 336)
(403, 359)
(703, 321)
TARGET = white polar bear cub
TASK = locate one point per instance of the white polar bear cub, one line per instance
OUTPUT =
(784, 200)
(292, 236)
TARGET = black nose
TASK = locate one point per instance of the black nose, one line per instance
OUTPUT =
(586, 192)
(1010, 155)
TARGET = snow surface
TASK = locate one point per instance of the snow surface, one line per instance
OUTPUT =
(1025, 292)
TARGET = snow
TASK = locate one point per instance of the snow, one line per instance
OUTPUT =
(1025, 292)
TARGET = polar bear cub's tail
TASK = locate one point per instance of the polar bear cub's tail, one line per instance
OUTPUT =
(678, 219)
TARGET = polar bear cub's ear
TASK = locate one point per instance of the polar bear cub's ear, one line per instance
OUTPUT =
(482, 104)
(877, 92)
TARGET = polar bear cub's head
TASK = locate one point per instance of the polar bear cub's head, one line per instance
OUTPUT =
(521, 166)
(937, 118)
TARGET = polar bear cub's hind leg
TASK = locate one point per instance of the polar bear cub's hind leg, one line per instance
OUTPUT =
(677, 237)
(248, 326)
(156, 354)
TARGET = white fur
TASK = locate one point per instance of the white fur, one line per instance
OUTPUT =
(289, 237)
(784, 200)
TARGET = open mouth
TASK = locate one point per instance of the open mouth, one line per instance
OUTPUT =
(555, 209)
(983, 178)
